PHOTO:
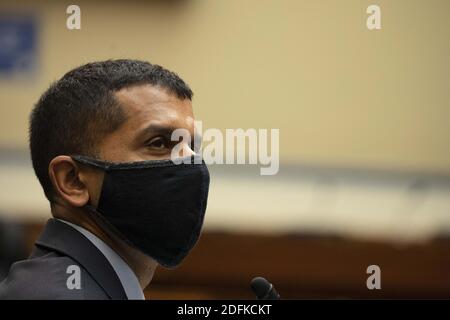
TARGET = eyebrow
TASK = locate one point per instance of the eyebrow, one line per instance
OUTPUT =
(158, 129)
(155, 129)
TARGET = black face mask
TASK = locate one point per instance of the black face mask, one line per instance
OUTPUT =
(156, 206)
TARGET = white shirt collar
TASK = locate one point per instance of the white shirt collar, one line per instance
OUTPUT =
(126, 276)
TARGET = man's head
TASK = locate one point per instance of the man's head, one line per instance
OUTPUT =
(122, 113)
(115, 110)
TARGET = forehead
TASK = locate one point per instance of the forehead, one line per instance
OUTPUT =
(145, 104)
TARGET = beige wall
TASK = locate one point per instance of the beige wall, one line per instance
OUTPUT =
(340, 94)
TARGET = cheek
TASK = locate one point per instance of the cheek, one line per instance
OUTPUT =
(115, 147)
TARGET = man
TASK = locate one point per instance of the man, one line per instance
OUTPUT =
(101, 147)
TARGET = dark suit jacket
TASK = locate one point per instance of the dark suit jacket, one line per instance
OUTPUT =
(49, 273)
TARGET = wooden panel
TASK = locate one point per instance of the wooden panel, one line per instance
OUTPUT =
(222, 265)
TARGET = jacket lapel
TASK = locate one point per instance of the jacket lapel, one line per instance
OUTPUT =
(60, 237)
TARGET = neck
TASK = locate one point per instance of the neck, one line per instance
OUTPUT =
(142, 265)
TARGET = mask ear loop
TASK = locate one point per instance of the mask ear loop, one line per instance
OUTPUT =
(96, 164)
(91, 162)
(90, 208)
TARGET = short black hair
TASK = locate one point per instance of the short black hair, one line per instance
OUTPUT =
(80, 109)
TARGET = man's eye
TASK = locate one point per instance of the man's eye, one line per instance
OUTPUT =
(157, 143)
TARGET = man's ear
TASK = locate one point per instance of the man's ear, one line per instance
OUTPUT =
(68, 181)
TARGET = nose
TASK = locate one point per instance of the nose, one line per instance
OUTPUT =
(186, 151)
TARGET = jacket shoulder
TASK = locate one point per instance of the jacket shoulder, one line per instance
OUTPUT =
(49, 276)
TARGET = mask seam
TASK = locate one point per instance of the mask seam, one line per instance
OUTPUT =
(110, 166)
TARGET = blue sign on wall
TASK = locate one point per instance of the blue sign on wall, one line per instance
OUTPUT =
(18, 43)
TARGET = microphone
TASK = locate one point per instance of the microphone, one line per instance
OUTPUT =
(263, 289)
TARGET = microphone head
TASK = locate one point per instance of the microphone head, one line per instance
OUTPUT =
(260, 287)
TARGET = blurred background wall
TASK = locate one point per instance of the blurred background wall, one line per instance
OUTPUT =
(364, 134)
